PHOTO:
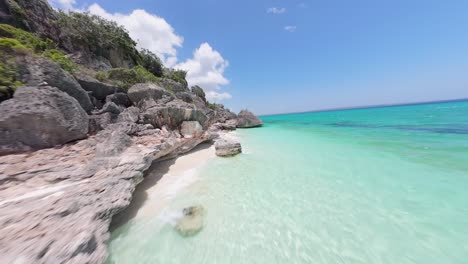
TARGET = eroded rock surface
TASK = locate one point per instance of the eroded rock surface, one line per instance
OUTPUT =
(40, 117)
(57, 204)
(227, 147)
(246, 119)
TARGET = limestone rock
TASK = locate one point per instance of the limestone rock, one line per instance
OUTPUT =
(198, 91)
(227, 147)
(246, 119)
(40, 117)
(119, 99)
(98, 89)
(173, 86)
(130, 114)
(37, 70)
(190, 129)
(173, 115)
(110, 107)
(142, 92)
(99, 122)
(191, 222)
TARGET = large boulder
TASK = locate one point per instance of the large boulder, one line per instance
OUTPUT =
(190, 129)
(37, 70)
(145, 95)
(172, 114)
(130, 114)
(173, 86)
(227, 147)
(119, 99)
(40, 117)
(97, 89)
(246, 119)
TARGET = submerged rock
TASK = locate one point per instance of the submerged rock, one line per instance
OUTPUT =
(192, 221)
(246, 119)
(227, 147)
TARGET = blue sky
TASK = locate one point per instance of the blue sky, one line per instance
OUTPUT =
(309, 55)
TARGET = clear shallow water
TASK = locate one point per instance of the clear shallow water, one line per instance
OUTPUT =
(381, 185)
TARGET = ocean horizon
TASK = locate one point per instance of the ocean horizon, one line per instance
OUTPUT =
(371, 185)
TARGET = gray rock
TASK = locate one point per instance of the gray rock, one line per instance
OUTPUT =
(40, 117)
(110, 107)
(246, 119)
(100, 122)
(173, 86)
(37, 70)
(227, 147)
(130, 114)
(191, 222)
(141, 93)
(97, 103)
(190, 129)
(198, 91)
(185, 96)
(173, 115)
(119, 99)
(98, 89)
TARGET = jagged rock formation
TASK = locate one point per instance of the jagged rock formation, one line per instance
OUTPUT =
(227, 147)
(246, 119)
(57, 203)
(40, 117)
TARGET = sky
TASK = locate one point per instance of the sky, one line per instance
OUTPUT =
(281, 56)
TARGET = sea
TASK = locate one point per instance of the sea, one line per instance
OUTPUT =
(359, 186)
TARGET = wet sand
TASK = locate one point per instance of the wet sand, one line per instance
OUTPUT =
(163, 181)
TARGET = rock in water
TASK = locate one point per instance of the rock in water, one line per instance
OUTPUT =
(246, 119)
(192, 221)
(227, 148)
(40, 117)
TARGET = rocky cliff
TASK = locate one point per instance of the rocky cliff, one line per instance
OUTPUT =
(74, 142)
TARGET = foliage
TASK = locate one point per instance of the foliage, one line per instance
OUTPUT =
(125, 78)
(212, 106)
(177, 75)
(151, 62)
(9, 77)
(27, 39)
(99, 35)
(60, 58)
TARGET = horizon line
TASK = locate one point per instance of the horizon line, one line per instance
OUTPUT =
(369, 106)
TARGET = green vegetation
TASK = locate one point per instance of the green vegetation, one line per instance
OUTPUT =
(27, 39)
(20, 41)
(9, 77)
(151, 62)
(98, 35)
(177, 75)
(125, 78)
(60, 58)
(212, 106)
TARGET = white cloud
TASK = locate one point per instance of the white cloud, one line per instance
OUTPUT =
(206, 69)
(63, 4)
(149, 31)
(290, 28)
(276, 10)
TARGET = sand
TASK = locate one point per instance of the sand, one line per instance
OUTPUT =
(164, 180)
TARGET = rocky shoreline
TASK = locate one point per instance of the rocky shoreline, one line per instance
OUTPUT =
(79, 129)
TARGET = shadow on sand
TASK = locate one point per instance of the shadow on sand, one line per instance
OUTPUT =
(157, 170)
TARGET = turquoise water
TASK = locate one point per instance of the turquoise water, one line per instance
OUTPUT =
(380, 185)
